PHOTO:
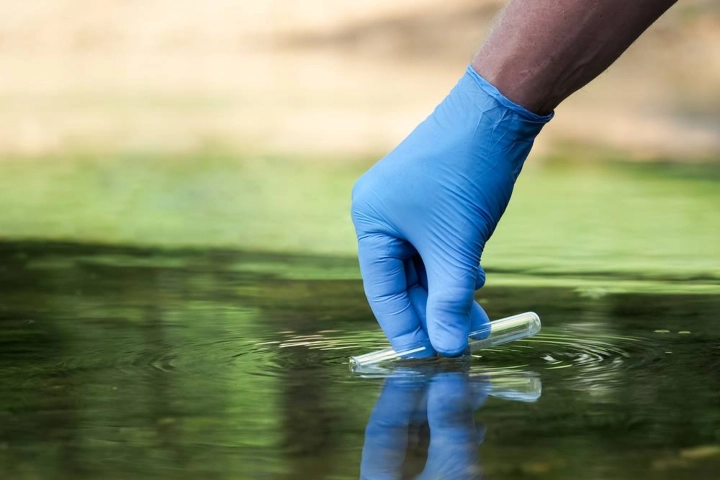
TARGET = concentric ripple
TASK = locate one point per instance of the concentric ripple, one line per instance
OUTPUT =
(592, 360)
(235, 354)
(589, 358)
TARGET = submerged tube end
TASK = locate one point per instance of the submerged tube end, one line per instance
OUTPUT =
(379, 356)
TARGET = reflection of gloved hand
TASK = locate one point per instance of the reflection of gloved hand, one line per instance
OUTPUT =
(443, 401)
(432, 203)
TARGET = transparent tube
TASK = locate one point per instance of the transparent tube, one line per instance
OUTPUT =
(491, 334)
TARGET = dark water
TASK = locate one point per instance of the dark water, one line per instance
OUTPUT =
(130, 363)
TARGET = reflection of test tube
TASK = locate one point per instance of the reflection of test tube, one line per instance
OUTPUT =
(489, 335)
(516, 387)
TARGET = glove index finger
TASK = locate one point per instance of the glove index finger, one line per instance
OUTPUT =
(382, 264)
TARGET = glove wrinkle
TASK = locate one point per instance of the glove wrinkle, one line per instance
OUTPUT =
(436, 201)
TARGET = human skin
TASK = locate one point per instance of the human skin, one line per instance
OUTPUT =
(424, 213)
(542, 51)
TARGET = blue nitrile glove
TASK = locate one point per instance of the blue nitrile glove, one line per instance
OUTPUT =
(428, 208)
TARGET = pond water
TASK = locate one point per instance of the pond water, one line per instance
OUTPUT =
(120, 362)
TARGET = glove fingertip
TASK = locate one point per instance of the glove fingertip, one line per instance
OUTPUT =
(480, 278)
(478, 317)
(450, 341)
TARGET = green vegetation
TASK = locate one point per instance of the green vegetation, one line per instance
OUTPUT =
(568, 218)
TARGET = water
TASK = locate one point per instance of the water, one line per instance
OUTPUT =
(140, 363)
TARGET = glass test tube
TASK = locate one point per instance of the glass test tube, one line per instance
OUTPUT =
(491, 334)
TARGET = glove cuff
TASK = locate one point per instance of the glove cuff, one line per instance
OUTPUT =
(491, 90)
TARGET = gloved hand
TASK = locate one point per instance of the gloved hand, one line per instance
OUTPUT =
(423, 214)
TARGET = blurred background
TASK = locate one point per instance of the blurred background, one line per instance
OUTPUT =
(178, 282)
(244, 125)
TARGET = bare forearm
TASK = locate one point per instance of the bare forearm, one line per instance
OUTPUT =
(541, 51)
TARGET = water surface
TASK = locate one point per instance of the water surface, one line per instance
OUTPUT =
(119, 362)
